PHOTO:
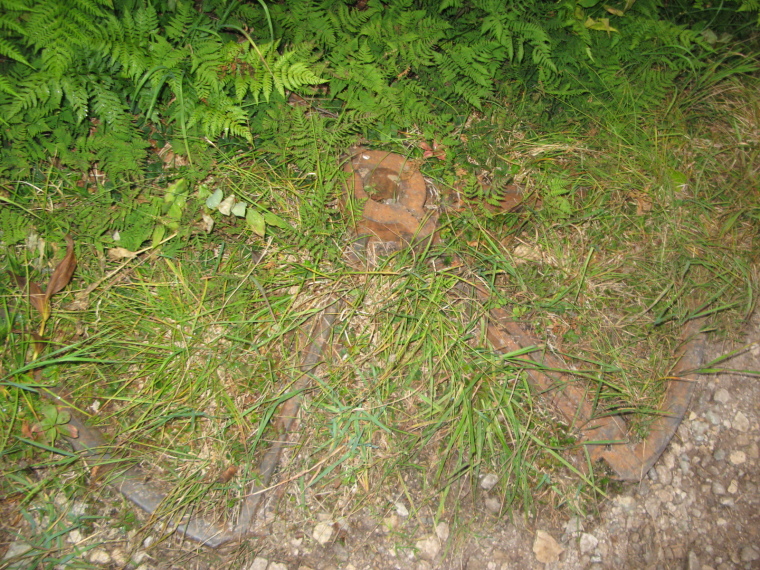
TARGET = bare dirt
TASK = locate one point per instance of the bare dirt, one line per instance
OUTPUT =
(698, 509)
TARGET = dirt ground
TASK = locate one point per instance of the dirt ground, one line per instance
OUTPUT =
(698, 509)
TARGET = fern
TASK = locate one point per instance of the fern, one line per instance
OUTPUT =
(89, 81)
(100, 70)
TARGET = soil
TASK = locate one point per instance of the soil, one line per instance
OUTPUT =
(698, 509)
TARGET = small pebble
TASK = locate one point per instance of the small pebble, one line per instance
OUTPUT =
(259, 563)
(119, 557)
(573, 527)
(493, 505)
(733, 487)
(737, 457)
(322, 532)
(626, 502)
(750, 554)
(721, 396)
(442, 531)
(664, 474)
(429, 547)
(693, 561)
(718, 488)
(99, 556)
(712, 417)
(741, 422)
(588, 543)
(489, 481)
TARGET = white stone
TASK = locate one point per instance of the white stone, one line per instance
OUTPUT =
(741, 422)
(489, 481)
(99, 556)
(721, 395)
(442, 531)
(401, 510)
(546, 549)
(323, 532)
(737, 457)
(277, 566)
(733, 487)
(429, 547)
(588, 543)
(259, 563)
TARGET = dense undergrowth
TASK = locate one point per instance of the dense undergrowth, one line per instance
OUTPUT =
(193, 153)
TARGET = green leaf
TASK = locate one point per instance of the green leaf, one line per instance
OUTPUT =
(215, 199)
(256, 222)
(275, 220)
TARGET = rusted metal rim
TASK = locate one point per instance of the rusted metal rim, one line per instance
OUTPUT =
(607, 437)
(392, 196)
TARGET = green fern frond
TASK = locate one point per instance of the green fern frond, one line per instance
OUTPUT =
(6, 86)
(7, 49)
(178, 24)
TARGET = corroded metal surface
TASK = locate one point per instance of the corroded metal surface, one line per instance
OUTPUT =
(606, 437)
(391, 194)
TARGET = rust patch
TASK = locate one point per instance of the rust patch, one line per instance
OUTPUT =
(393, 196)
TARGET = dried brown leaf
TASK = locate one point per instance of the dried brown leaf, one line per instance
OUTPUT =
(70, 431)
(26, 430)
(227, 474)
(37, 298)
(20, 281)
(63, 271)
(119, 253)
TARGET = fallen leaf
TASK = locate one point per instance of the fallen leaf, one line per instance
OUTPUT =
(256, 222)
(118, 253)
(26, 430)
(524, 253)
(63, 271)
(225, 208)
(239, 209)
(227, 474)
(215, 199)
(208, 223)
(546, 549)
(37, 298)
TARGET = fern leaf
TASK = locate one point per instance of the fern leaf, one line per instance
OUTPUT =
(7, 49)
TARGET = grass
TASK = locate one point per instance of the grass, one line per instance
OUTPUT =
(183, 355)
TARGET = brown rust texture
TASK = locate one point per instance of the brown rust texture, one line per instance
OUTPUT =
(393, 195)
(606, 437)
